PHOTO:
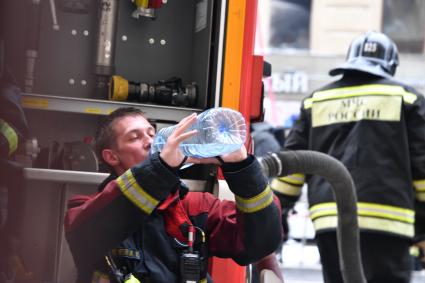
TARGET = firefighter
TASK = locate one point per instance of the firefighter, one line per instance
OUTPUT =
(13, 130)
(376, 127)
(145, 226)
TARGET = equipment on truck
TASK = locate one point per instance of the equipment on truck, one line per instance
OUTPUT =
(166, 92)
(146, 8)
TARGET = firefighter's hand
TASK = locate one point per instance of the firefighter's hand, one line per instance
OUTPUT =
(171, 153)
(236, 156)
(421, 246)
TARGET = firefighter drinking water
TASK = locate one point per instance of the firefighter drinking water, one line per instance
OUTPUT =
(144, 225)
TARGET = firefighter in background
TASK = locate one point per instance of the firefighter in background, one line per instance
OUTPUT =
(376, 127)
(13, 130)
(269, 139)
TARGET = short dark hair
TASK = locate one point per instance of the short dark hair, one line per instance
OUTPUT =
(105, 136)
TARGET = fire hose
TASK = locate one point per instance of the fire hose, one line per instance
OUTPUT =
(316, 163)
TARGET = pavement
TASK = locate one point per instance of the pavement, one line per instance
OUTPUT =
(305, 275)
(301, 264)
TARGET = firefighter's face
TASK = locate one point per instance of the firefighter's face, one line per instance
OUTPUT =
(134, 135)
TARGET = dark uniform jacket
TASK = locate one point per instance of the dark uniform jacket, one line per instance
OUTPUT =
(141, 220)
(376, 128)
(13, 131)
(13, 125)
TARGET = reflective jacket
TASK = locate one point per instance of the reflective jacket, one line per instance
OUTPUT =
(13, 131)
(13, 125)
(141, 220)
(376, 128)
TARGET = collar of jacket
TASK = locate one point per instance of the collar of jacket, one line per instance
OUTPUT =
(176, 219)
(174, 196)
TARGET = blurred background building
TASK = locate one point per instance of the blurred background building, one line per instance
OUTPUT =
(304, 39)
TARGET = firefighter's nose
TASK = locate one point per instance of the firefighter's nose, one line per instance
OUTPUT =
(147, 142)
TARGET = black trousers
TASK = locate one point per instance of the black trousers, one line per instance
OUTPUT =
(11, 177)
(385, 259)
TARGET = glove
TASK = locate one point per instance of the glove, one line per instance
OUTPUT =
(421, 247)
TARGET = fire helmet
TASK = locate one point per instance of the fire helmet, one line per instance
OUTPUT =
(373, 53)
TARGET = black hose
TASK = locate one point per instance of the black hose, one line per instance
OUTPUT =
(316, 163)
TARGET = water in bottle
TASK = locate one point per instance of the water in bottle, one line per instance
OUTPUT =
(220, 131)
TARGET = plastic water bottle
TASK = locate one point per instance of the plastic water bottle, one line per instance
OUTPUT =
(220, 131)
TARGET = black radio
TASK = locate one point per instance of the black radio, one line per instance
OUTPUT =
(190, 267)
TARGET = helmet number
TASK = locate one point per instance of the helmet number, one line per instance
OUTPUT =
(370, 47)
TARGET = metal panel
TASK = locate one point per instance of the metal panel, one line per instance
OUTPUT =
(146, 50)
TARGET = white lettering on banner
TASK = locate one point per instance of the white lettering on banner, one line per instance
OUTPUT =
(289, 82)
(345, 110)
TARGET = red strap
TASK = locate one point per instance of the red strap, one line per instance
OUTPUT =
(168, 201)
(175, 216)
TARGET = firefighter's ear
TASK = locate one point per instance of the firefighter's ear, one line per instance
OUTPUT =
(110, 157)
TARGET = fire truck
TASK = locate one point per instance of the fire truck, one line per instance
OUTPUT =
(78, 60)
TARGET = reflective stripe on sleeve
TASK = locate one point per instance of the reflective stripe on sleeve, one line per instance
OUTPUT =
(370, 216)
(131, 189)
(419, 186)
(290, 185)
(375, 89)
(10, 134)
(256, 203)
